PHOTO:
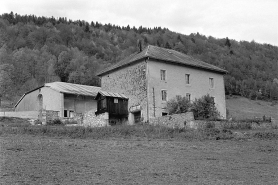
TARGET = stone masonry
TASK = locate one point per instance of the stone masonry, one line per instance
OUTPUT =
(131, 82)
(174, 121)
(91, 120)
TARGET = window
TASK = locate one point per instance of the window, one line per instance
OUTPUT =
(71, 114)
(164, 113)
(188, 96)
(116, 100)
(65, 113)
(211, 83)
(164, 95)
(187, 80)
(163, 75)
(103, 104)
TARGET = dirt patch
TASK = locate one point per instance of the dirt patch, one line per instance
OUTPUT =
(26, 159)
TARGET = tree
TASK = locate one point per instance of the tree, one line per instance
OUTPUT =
(178, 105)
(6, 84)
(204, 108)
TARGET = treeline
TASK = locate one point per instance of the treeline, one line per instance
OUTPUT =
(35, 50)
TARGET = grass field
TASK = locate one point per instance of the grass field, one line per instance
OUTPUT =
(242, 108)
(32, 155)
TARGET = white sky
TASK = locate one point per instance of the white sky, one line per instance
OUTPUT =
(237, 19)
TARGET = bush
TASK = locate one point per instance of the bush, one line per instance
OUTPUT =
(178, 105)
(55, 122)
(70, 122)
(204, 108)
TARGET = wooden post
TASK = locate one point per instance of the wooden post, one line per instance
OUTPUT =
(153, 103)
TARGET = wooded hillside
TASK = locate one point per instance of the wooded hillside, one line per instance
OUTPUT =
(35, 50)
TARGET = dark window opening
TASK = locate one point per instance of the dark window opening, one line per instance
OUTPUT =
(163, 75)
(65, 113)
(164, 113)
(187, 79)
(164, 95)
(137, 117)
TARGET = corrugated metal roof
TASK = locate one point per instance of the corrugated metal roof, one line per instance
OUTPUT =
(70, 88)
(163, 54)
(67, 88)
(111, 94)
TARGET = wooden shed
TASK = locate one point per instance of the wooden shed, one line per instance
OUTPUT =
(115, 104)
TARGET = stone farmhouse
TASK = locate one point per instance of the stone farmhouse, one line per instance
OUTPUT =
(65, 98)
(154, 75)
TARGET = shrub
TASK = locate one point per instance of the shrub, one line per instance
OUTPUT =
(37, 122)
(55, 122)
(178, 105)
(70, 122)
(204, 108)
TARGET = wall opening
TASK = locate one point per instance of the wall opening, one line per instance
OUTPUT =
(137, 117)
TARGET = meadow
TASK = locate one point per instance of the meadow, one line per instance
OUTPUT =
(138, 154)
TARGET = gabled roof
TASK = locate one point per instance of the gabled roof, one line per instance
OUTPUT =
(163, 54)
(77, 89)
(68, 88)
(111, 94)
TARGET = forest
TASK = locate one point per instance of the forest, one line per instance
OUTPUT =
(37, 50)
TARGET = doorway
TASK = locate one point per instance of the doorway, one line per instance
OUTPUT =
(137, 117)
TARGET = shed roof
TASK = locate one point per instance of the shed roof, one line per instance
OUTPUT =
(70, 88)
(163, 54)
(112, 94)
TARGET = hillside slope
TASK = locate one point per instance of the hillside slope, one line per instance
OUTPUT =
(37, 50)
(241, 108)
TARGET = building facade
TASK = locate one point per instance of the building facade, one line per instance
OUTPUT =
(66, 98)
(155, 75)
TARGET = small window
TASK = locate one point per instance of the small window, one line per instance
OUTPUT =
(103, 103)
(187, 78)
(65, 113)
(164, 95)
(163, 75)
(211, 83)
(164, 113)
(188, 96)
(71, 114)
(116, 100)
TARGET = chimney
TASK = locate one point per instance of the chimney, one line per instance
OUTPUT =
(139, 45)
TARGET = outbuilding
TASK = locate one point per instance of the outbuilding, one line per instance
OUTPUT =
(66, 98)
(115, 104)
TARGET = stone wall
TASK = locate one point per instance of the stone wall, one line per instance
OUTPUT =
(21, 114)
(77, 118)
(174, 121)
(49, 115)
(91, 120)
(130, 81)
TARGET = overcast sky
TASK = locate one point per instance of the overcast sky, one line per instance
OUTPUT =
(237, 19)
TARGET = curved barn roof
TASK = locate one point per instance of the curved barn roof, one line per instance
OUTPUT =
(68, 88)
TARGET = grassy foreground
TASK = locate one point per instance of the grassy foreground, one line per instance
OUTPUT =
(138, 154)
